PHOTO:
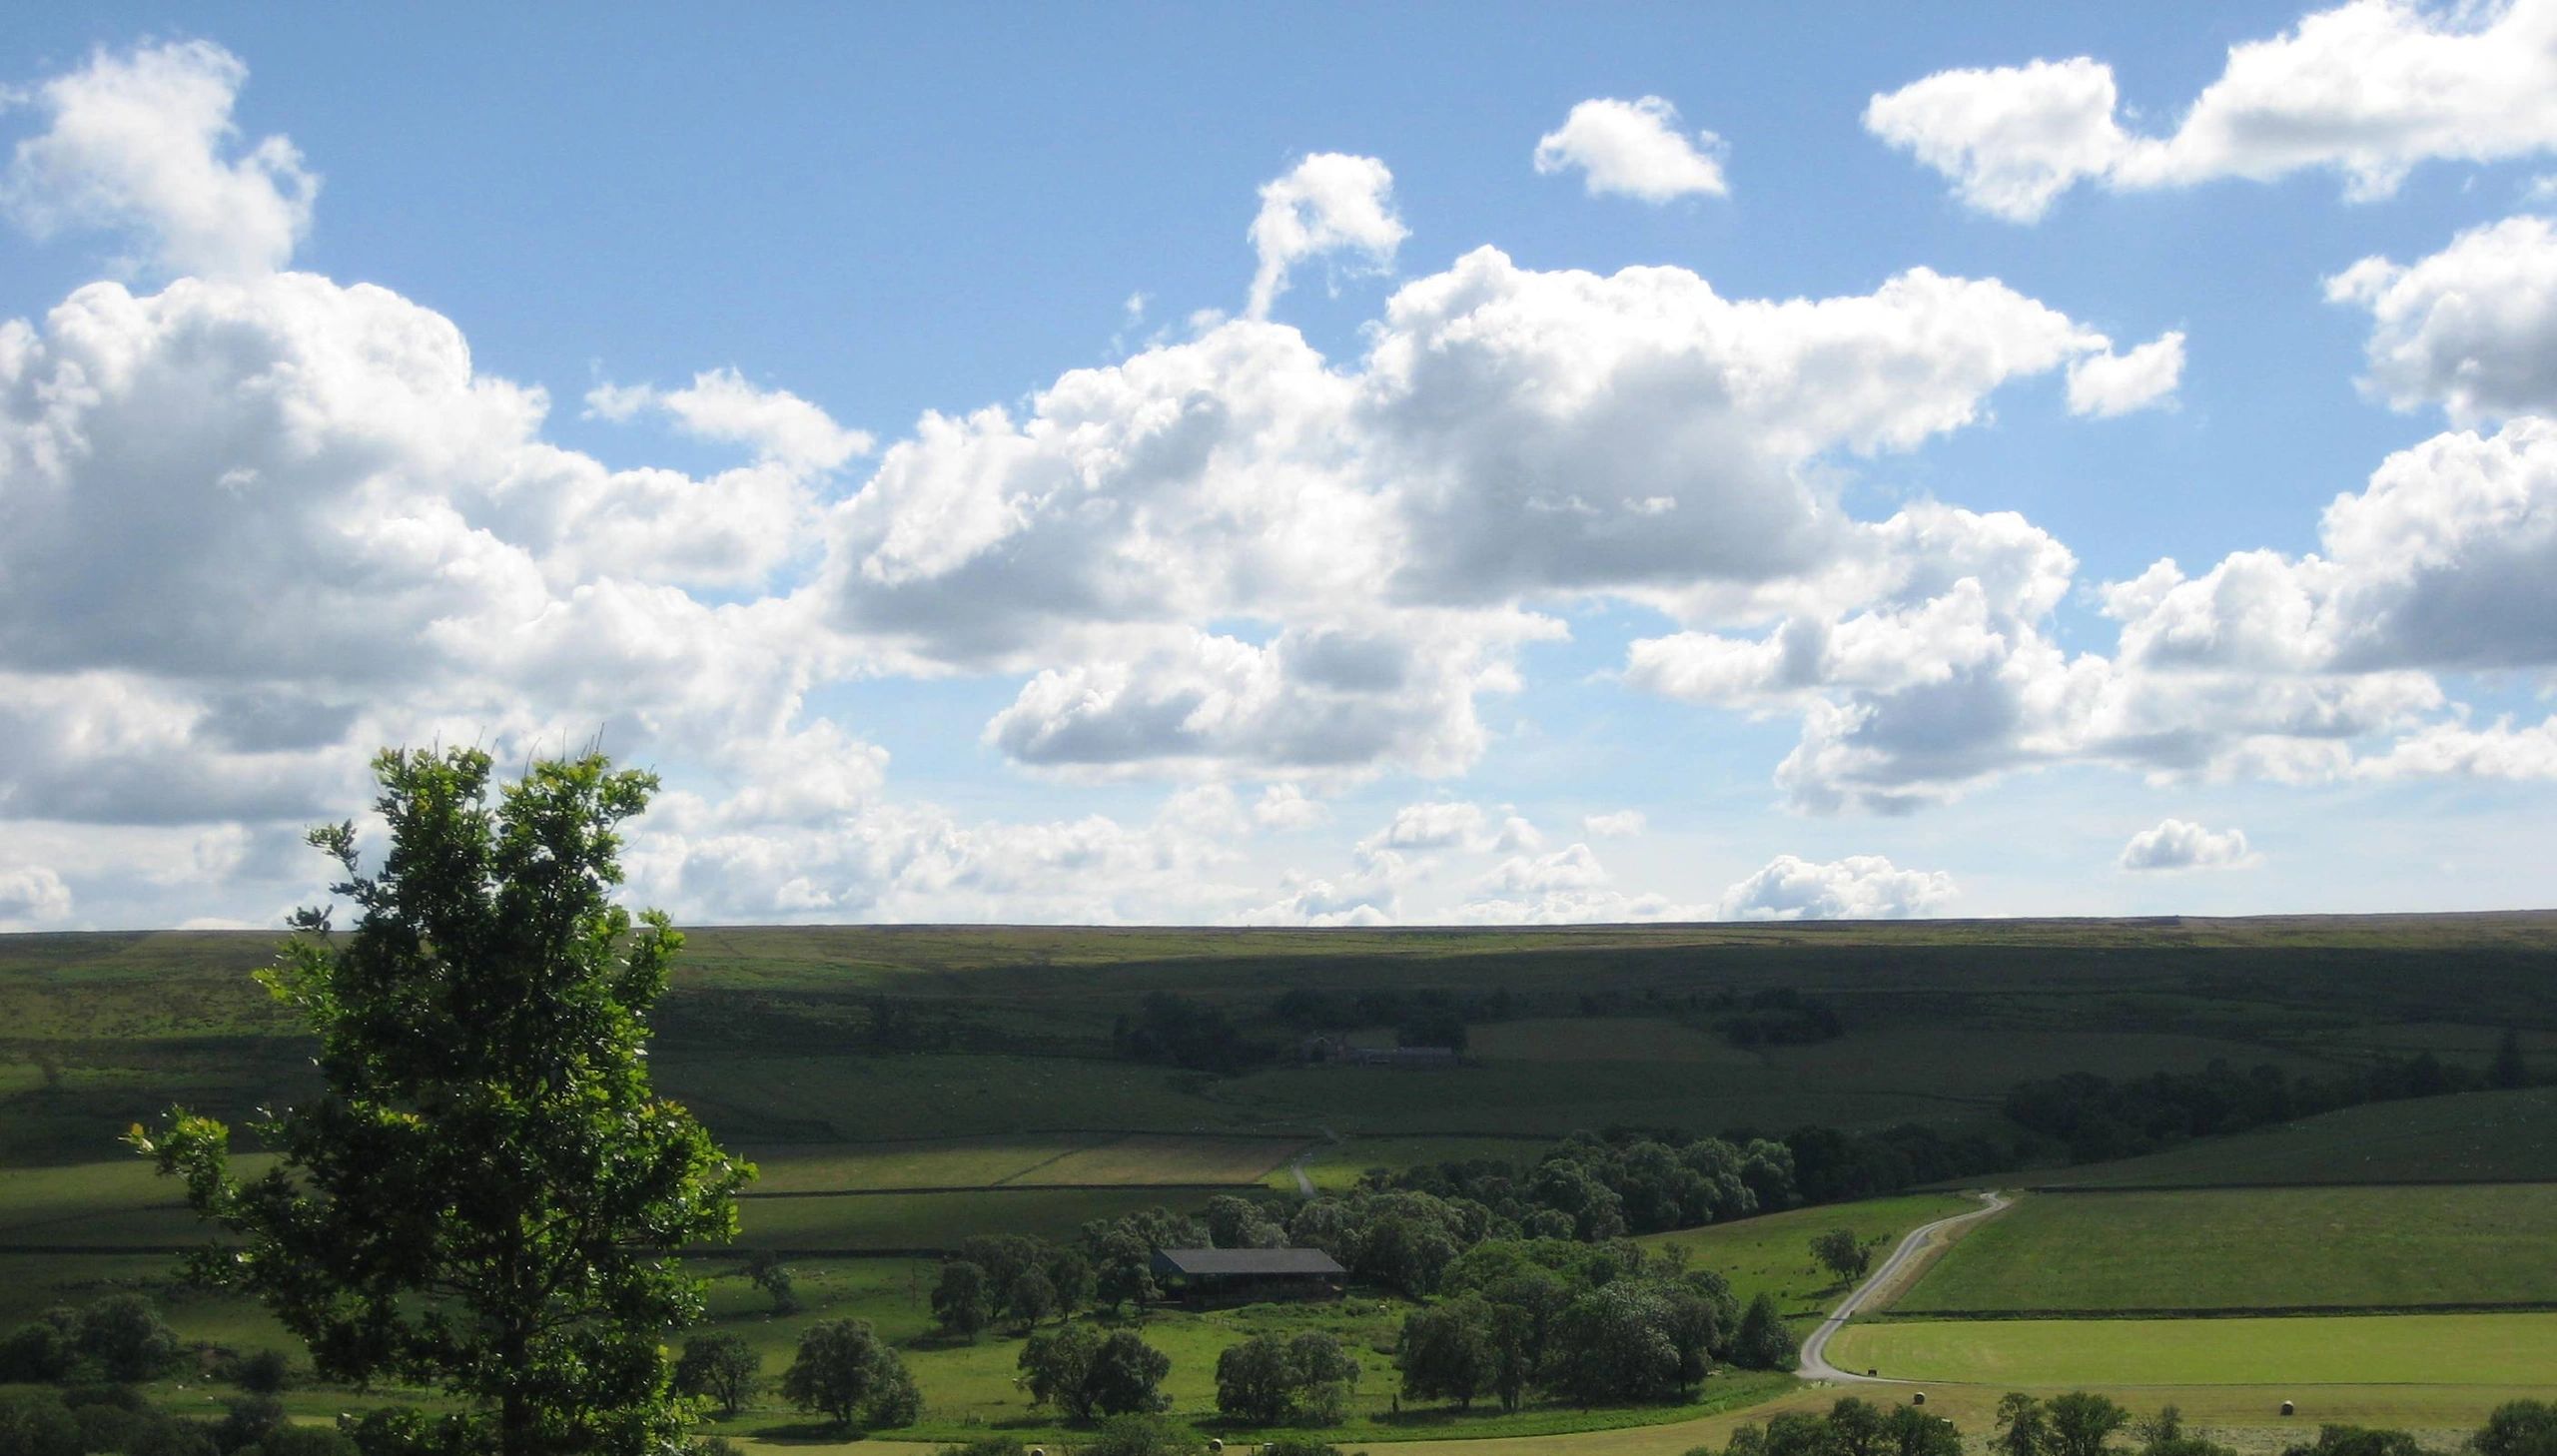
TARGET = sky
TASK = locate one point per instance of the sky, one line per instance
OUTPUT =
(1300, 465)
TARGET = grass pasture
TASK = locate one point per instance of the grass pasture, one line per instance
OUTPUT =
(2375, 1349)
(1156, 1159)
(2345, 1248)
(1771, 1253)
(2482, 1137)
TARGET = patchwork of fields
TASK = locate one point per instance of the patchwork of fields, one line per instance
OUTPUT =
(902, 1090)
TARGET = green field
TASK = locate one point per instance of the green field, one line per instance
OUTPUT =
(772, 1034)
(2253, 1249)
(2379, 1350)
(2482, 1137)
(1771, 1253)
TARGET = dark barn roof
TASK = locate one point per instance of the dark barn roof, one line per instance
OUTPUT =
(1247, 1263)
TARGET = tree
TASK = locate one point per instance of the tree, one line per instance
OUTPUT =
(1070, 1274)
(2163, 1430)
(1124, 1271)
(1841, 1253)
(126, 1338)
(2519, 1428)
(1031, 1296)
(1125, 1376)
(1053, 1365)
(2508, 1068)
(722, 1368)
(483, 1194)
(1255, 1381)
(1910, 1431)
(1856, 1427)
(844, 1372)
(1085, 1373)
(1763, 1343)
(1447, 1351)
(36, 1423)
(772, 1276)
(2081, 1423)
(1326, 1376)
(959, 1301)
(2022, 1428)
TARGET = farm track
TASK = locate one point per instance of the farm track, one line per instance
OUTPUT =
(1815, 1347)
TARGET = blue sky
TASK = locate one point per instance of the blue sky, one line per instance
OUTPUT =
(1675, 463)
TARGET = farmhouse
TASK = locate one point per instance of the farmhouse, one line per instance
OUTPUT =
(1239, 1276)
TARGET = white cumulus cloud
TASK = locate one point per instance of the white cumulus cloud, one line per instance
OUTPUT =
(2472, 328)
(2369, 89)
(1329, 203)
(1622, 824)
(141, 141)
(1859, 887)
(2106, 384)
(2176, 844)
(1633, 149)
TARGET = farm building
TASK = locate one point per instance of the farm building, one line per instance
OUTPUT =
(1334, 1051)
(1241, 1275)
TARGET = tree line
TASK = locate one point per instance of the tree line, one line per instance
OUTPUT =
(2096, 1118)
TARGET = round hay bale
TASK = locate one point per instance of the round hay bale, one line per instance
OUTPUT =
(1920, 1398)
(2289, 1409)
(1216, 1443)
(1871, 1371)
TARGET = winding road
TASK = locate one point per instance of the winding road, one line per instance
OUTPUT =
(1815, 1348)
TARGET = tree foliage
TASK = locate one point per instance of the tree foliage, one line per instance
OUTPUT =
(1086, 1373)
(720, 1367)
(1842, 1253)
(483, 1194)
(1270, 1381)
(846, 1373)
(960, 1300)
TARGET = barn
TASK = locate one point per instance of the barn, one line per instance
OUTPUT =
(1241, 1275)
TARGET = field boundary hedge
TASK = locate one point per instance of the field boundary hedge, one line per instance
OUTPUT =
(1252, 1184)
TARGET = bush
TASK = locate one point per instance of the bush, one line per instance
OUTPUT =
(262, 1372)
(400, 1430)
(986, 1446)
(37, 1423)
(247, 1422)
(126, 1338)
(1142, 1435)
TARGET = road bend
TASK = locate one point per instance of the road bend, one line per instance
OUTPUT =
(1815, 1349)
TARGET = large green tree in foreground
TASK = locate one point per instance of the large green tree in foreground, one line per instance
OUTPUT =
(485, 1195)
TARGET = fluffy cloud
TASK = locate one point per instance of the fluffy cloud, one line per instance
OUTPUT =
(2369, 89)
(136, 143)
(1859, 887)
(1623, 824)
(31, 896)
(2448, 561)
(2472, 328)
(2107, 384)
(2177, 844)
(2013, 138)
(1330, 203)
(721, 405)
(1633, 149)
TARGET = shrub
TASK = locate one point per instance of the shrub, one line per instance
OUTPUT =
(1142, 1435)
(37, 1423)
